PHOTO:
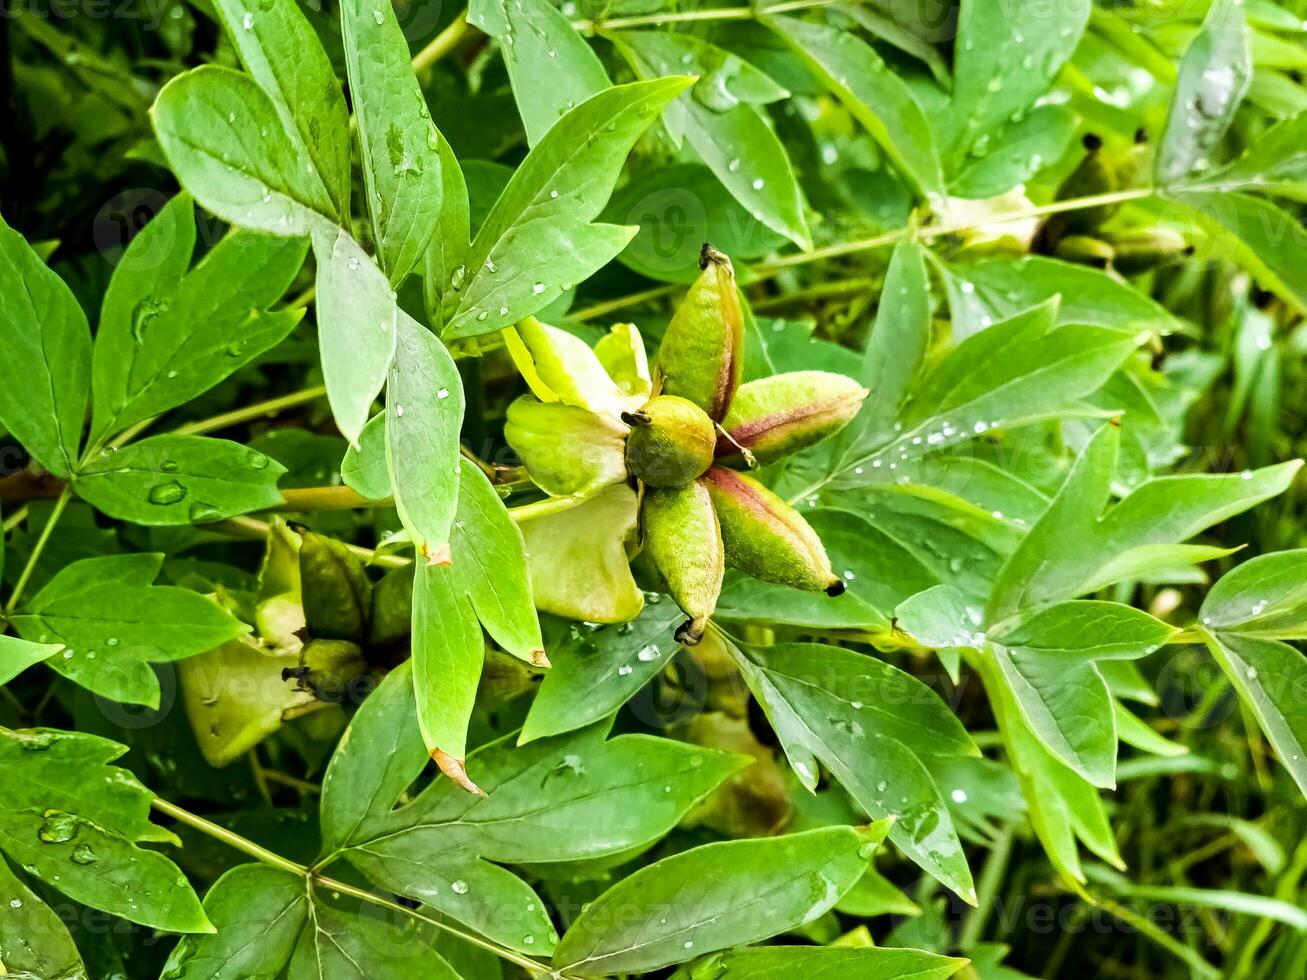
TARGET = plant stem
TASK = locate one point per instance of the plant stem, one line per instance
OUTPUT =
(991, 877)
(39, 547)
(258, 410)
(690, 16)
(442, 43)
(228, 837)
(1198, 966)
(260, 853)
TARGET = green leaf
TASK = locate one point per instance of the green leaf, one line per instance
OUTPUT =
(344, 945)
(16, 655)
(74, 822)
(1002, 288)
(1265, 597)
(179, 479)
(539, 239)
(358, 324)
(34, 942)
(47, 346)
(548, 802)
(1213, 78)
(550, 66)
(223, 139)
(1263, 238)
(1274, 163)
(1030, 143)
(424, 412)
(833, 963)
(448, 248)
(1164, 510)
(1002, 64)
(448, 651)
(1269, 676)
(113, 621)
(711, 898)
(259, 913)
(720, 118)
(167, 334)
(878, 98)
(375, 761)
(364, 467)
(398, 141)
(1048, 661)
(849, 711)
(595, 671)
(280, 49)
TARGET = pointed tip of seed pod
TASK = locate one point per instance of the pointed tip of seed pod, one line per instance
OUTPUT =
(454, 769)
(1092, 142)
(690, 632)
(539, 659)
(710, 256)
(440, 555)
(836, 588)
(636, 418)
(1141, 135)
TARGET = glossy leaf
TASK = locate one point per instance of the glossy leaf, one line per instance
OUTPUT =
(17, 654)
(48, 355)
(834, 963)
(112, 621)
(34, 942)
(168, 480)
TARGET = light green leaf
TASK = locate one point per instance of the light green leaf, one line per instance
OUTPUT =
(940, 617)
(34, 942)
(1274, 163)
(167, 334)
(280, 49)
(1265, 239)
(47, 346)
(1265, 597)
(424, 412)
(711, 898)
(364, 467)
(1270, 676)
(1002, 64)
(833, 963)
(342, 945)
(1022, 149)
(848, 711)
(1002, 288)
(178, 479)
(722, 121)
(449, 246)
(548, 802)
(1214, 75)
(259, 913)
(16, 655)
(448, 650)
(539, 239)
(595, 671)
(398, 141)
(550, 66)
(878, 98)
(75, 822)
(113, 621)
(223, 139)
(358, 323)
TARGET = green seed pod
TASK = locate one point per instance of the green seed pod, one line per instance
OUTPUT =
(391, 614)
(765, 537)
(1146, 248)
(702, 351)
(682, 538)
(335, 588)
(1086, 250)
(670, 443)
(503, 678)
(1095, 175)
(327, 667)
(782, 414)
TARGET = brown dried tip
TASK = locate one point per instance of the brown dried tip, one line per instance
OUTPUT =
(835, 588)
(453, 768)
(539, 659)
(709, 255)
(439, 555)
(689, 633)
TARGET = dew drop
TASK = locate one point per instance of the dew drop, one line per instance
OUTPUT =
(458, 887)
(166, 493)
(538, 288)
(442, 394)
(959, 796)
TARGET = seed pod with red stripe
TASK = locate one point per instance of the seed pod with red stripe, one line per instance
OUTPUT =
(684, 541)
(701, 355)
(765, 537)
(776, 416)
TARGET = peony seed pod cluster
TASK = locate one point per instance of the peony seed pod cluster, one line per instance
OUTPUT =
(654, 460)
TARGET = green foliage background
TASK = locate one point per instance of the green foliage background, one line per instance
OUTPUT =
(260, 265)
